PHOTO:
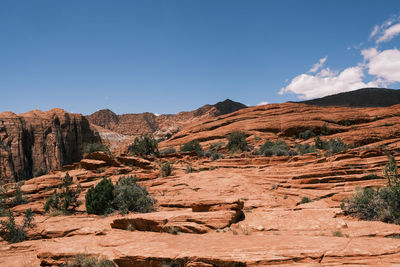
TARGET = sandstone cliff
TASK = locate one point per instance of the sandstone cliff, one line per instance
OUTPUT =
(38, 141)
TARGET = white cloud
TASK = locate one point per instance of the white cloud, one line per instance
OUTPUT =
(384, 65)
(318, 65)
(157, 114)
(374, 32)
(386, 31)
(389, 33)
(262, 103)
(327, 82)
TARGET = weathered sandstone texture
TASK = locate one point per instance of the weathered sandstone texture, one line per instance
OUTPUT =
(38, 140)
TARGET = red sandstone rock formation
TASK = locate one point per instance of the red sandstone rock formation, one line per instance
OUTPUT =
(39, 140)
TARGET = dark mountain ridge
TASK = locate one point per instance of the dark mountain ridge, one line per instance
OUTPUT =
(365, 97)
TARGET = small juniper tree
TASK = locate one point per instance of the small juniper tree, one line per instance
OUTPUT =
(19, 197)
(99, 198)
(13, 233)
(144, 145)
(67, 200)
(237, 142)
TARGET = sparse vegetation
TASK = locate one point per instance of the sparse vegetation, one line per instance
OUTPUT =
(67, 200)
(305, 148)
(94, 147)
(19, 197)
(166, 169)
(89, 261)
(99, 198)
(307, 134)
(237, 142)
(13, 233)
(212, 152)
(278, 148)
(337, 233)
(126, 195)
(381, 204)
(3, 201)
(144, 145)
(192, 146)
(305, 200)
(130, 196)
(332, 146)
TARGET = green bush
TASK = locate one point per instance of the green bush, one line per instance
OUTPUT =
(19, 197)
(67, 200)
(13, 233)
(377, 204)
(144, 145)
(278, 148)
(89, 261)
(94, 147)
(99, 199)
(3, 202)
(307, 134)
(130, 196)
(305, 200)
(332, 146)
(305, 148)
(237, 142)
(126, 195)
(191, 146)
(166, 169)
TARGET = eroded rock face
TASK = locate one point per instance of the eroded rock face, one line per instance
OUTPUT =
(39, 140)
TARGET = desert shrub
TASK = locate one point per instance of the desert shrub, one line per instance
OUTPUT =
(278, 148)
(89, 261)
(167, 151)
(307, 134)
(13, 233)
(19, 197)
(305, 200)
(99, 198)
(193, 145)
(237, 142)
(332, 146)
(212, 151)
(130, 196)
(39, 172)
(166, 169)
(3, 201)
(377, 204)
(189, 169)
(67, 200)
(305, 148)
(94, 147)
(144, 145)
(126, 195)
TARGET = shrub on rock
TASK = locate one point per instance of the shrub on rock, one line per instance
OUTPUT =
(13, 233)
(67, 200)
(192, 146)
(144, 145)
(99, 198)
(126, 195)
(237, 142)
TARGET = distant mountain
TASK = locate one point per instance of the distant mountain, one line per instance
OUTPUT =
(366, 97)
(141, 123)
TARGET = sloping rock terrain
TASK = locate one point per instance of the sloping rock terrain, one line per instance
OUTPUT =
(240, 210)
(142, 123)
(41, 141)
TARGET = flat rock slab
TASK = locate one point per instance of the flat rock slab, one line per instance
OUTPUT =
(184, 221)
(155, 249)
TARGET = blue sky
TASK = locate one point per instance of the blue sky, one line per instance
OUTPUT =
(169, 56)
